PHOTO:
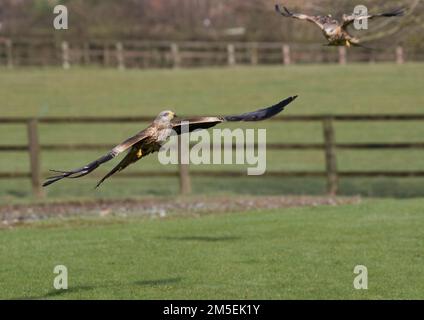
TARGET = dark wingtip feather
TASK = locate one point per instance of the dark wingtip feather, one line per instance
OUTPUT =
(287, 101)
(395, 13)
(262, 114)
(52, 180)
(282, 104)
(285, 13)
(288, 11)
(400, 12)
(99, 184)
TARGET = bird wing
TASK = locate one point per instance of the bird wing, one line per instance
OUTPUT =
(134, 154)
(318, 20)
(196, 123)
(209, 122)
(201, 123)
(83, 171)
(348, 20)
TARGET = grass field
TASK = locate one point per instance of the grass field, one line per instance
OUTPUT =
(370, 89)
(301, 253)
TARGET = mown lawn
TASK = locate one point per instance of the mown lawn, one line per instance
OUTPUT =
(353, 89)
(301, 253)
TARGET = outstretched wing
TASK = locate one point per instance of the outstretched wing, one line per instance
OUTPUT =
(83, 171)
(348, 20)
(318, 20)
(133, 155)
(209, 122)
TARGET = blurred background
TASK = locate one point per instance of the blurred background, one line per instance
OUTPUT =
(253, 20)
(69, 95)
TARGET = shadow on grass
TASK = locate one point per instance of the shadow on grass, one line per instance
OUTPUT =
(202, 238)
(17, 194)
(58, 293)
(158, 282)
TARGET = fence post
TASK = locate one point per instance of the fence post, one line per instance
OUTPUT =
(65, 55)
(9, 53)
(231, 51)
(185, 182)
(86, 50)
(120, 57)
(254, 58)
(34, 154)
(400, 57)
(330, 156)
(106, 58)
(175, 52)
(286, 54)
(342, 55)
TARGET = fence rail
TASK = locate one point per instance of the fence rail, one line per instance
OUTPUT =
(329, 147)
(171, 54)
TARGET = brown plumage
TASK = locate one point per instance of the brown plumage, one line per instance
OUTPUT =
(152, 138)
(336, 31)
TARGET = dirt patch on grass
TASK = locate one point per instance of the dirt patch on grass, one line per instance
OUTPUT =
(15, 214)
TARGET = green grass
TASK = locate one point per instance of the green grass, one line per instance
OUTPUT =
(353, 89)
(301, 253)
(287, 253)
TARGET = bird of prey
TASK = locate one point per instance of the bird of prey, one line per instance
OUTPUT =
(152, 138)
(336, 31)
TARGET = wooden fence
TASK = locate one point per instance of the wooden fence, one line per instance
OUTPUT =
(167, 54)
(329, 147)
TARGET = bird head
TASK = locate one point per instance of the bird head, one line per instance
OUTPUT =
(165, 116)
